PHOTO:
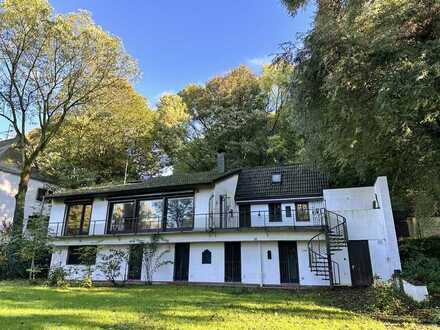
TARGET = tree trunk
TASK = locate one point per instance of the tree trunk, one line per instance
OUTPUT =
(20, 197)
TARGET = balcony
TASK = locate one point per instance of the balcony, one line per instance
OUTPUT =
(200, 222)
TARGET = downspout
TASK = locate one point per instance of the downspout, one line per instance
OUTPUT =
(261, 263)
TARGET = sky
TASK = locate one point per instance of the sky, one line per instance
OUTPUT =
(182, 42)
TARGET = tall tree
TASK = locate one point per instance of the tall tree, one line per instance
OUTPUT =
(50, 66)
(367, 95)
(110, 140)
(238, 113)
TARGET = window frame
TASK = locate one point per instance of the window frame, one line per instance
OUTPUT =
(297, 218)
(78, 263)
(81, 230)
(111, 205)
(273, 216)
(136, 200)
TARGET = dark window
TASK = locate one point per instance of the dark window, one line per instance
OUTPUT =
(206, 257)
(275, 212)
(269, 254)
(78, 219)
(81, 255)
(302, 211)
(41, 192)
(288, 212)
(245, 215)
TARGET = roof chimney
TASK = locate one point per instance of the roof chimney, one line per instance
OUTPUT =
(221, 161)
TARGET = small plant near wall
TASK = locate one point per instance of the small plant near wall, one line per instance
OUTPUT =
(58, 277)
(152, 257)
(111, 265)
(87, 258)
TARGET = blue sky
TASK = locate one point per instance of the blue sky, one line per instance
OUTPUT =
(181, 42)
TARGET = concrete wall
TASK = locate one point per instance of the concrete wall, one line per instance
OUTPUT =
(214, 272)
(8, 189)
(376, 225)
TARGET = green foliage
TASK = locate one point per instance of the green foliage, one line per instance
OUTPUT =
(421, 263)
(95, 144)
(111, 263)
(366, 92)
(87, 282)
(195, 307)
(240, 112)
(58, 277)
(152, 257)
(428, 247)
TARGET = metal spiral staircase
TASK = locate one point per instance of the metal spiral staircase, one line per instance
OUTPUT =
(332, 238)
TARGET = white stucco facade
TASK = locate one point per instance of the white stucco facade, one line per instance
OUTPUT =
(260, 252)
(8, 189)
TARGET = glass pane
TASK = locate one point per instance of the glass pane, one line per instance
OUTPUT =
(302, 211)
(86, 219)
(122, 219)
(150, 214)
(180, 212)
(74, 219)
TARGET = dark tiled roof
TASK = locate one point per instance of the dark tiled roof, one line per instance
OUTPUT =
(154, 184)
(297, 180)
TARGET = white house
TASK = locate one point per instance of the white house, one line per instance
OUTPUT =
(9, 180)
(264, 226)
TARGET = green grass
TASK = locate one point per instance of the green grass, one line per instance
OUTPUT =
(23, 306)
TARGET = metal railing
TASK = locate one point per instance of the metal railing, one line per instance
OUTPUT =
(323, 245)
(205, 222)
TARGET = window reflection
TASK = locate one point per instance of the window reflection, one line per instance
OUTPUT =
(180, 212)
(122, 218)
(150, 214)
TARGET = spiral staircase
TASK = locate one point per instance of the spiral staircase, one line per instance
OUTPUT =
(321, 247)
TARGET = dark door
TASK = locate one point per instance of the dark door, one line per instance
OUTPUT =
(135, 262)
(181, 261)
(245, 216)
(360, 263)
(232, 262)
(288, 262)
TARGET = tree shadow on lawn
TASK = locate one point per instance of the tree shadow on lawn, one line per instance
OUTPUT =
(180, 303)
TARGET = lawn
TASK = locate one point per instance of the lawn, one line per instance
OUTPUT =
(23, 306)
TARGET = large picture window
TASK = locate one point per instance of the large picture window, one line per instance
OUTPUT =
(122, 217)
(150, 214)
(180, 212)
(78, 219)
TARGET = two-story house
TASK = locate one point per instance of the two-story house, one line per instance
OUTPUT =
(268, 226)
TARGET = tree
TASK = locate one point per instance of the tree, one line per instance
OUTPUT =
(111, 264)
(152, 258)
(237, 113)
(50, 66)
(34, 246)
(111, 137)
(365, 95)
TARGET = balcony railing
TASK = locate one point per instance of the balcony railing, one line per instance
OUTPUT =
(199, 222)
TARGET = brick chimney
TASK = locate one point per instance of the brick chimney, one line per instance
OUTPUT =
(221, 166)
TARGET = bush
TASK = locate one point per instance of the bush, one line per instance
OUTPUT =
(58, 277)
(421, 263)
(428, 247)
(87, 282)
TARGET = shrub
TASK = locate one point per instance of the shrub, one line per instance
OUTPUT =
(58, 277)
(87, 282)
